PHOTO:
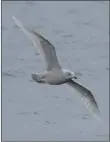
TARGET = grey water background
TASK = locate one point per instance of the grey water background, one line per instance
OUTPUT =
(80, 33)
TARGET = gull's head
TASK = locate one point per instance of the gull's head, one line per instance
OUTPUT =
(69, 75)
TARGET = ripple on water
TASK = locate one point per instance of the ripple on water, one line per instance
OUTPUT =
(8, 74)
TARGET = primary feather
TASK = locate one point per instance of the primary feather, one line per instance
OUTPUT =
(87, 98)
(46, 49)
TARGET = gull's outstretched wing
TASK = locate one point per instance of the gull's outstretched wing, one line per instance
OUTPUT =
(87, 97)
(44, 46)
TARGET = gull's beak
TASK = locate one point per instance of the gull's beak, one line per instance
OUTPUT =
(75, 77)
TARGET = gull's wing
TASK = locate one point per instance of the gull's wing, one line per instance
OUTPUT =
(44, 46)
(87, 98)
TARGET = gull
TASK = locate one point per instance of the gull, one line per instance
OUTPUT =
(54, 74)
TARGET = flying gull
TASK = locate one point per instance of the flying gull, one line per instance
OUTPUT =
(54, 74)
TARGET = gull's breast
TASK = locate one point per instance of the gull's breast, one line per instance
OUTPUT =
(55, 78)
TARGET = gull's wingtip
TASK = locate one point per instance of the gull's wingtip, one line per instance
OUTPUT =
(14, 18)
(17, 22)
(95, 111)
(97, 115)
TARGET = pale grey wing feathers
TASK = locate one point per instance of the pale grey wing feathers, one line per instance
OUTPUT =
(87, 98)
(46, 49)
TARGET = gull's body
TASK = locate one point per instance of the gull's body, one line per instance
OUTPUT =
(54, 74)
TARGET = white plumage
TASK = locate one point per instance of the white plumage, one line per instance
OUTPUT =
(54, 74)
